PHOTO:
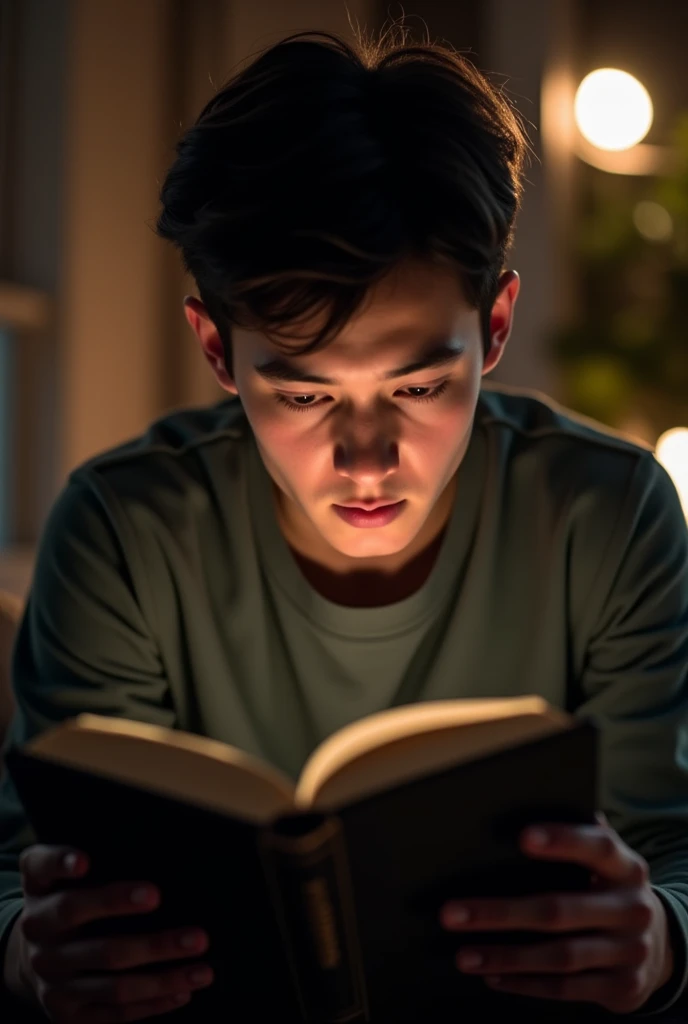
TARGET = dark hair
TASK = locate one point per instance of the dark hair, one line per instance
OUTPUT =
(321, 165)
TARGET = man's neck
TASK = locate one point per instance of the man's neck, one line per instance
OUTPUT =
(357, 582)
(367, 588)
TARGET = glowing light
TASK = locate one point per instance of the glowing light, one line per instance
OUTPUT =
(672, 451)
(653, 222)
(613, 110)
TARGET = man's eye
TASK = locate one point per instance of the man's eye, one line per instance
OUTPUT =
(302, 403)
(297, 403)
(427, 393)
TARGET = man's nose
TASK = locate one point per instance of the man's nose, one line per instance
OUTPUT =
(366, 459)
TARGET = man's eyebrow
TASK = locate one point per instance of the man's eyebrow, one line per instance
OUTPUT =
(282, 371)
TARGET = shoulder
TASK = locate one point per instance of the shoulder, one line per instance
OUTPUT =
(534, 418)
(182, 436)
(598, 496)
(589, 483)
(175, 465)
(126, 518)
(136, 505)
(571, 460)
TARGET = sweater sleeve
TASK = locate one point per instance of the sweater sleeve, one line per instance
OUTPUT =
(83, 644)
(635, 685)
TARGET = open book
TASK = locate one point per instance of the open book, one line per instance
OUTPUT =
(331, 888)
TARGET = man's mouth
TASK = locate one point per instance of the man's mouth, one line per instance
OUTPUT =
(377, 514)
(367, 506)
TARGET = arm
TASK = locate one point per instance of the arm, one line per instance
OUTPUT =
(83, 645)
(622, 944)
(635, 685)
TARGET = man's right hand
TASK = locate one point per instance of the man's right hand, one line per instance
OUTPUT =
(83, 980)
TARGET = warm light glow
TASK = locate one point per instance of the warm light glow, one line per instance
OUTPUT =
(672, 451)
(613, 110)
(653, 221)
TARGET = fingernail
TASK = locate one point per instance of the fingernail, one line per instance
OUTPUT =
(142, 894)
(469, 961)
(71, 862)
(537, 837)
(191, 940)
(454, 914)
(201, 976)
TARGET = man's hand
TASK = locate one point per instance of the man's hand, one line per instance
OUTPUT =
(609, 945)
(76, 979)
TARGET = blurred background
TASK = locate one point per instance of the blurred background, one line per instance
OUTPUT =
(93, 96)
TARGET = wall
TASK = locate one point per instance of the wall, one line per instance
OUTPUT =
(103, 91)
(31, 226)
(127, 353)
(535, 57)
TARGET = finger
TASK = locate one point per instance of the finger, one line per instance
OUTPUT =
(561, 956)
(61, 912)
(122, 989)
(104, 1014)
(613, 910)
(42, 866)
(592, 846)
(117, 954)
(620, 991)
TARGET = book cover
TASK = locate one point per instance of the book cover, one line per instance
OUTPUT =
(323, 916)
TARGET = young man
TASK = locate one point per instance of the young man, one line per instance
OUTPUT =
(363, 522)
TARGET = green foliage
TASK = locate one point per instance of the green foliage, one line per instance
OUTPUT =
(625, 359)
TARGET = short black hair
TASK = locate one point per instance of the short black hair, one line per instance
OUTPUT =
(322, 164)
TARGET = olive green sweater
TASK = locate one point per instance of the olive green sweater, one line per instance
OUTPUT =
(165, 592)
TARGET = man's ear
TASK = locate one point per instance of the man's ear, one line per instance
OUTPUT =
(211, 344)
(502, 318)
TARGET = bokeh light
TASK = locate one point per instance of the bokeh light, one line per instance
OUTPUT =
(672, 451)
(613, 110)
(653, 221)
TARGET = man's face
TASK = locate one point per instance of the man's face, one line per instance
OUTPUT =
(355, 425)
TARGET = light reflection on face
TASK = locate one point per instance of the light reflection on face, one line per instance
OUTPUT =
(363, 435)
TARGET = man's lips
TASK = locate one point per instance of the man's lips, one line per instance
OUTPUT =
(380, 514)
(366, 506)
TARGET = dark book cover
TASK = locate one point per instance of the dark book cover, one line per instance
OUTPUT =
(327, 917)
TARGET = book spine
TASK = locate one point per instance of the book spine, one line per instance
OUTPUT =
(306, 867)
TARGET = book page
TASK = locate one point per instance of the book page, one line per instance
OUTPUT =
(403, 743)
(181, 765)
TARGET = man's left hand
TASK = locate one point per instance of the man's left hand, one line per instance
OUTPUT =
(610, 945)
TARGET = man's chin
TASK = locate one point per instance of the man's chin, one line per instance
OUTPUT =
(377, 542)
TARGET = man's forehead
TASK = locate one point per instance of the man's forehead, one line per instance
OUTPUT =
(385, 362)
(384, 334)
